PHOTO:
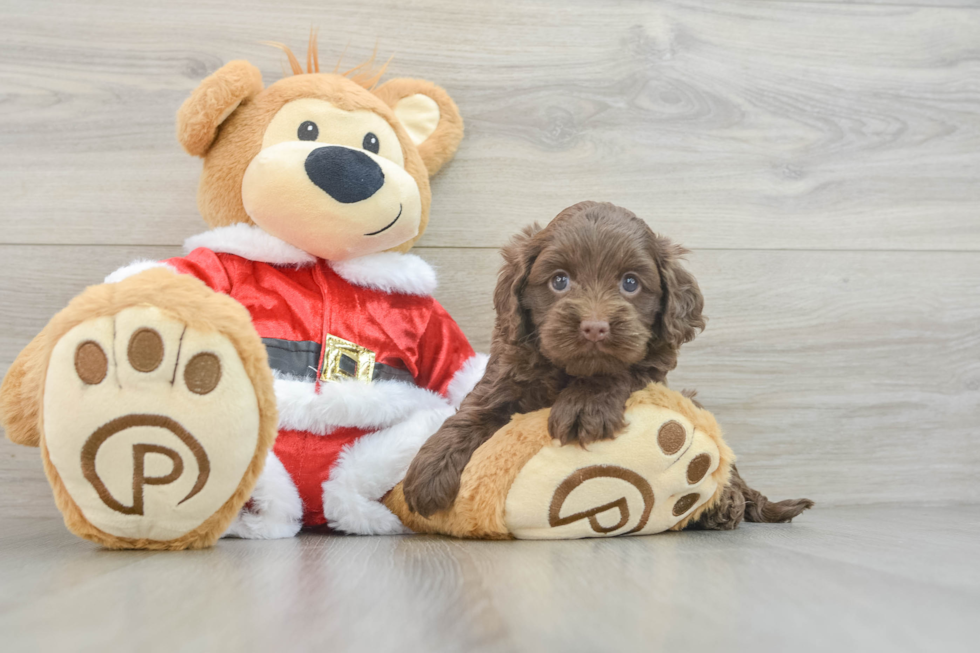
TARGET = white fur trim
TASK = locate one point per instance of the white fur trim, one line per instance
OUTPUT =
(252, 243)
(276, 510)
(370, 467)
(466, 378)
(137, 266)
(389, 272)
(349, 403)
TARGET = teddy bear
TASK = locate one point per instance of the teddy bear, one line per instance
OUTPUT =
(283, 373)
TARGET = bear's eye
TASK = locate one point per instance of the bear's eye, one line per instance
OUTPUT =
(559, 282)
(370, 143)
(308, 131)
(630, 284)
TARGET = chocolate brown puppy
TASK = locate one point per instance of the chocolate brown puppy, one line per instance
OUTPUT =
(589, 309)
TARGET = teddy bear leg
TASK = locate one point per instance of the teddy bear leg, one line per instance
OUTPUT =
(20, 394)
(157, 412)
(666, 468)
(274, 511)
(662, 471)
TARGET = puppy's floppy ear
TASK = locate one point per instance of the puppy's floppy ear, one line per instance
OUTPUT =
(680, 316)
(429, 115)
(212, 102)
(513, 323)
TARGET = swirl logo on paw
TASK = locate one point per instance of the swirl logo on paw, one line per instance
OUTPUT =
(621, 504)
(140, 480)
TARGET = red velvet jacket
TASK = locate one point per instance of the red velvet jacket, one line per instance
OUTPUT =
(379, 302)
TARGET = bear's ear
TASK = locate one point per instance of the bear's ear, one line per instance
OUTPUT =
(214, 100)
(429, 115)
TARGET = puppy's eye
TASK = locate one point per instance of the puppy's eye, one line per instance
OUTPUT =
(630, 284)
(308, 131)
(559, 282)
(371, 143)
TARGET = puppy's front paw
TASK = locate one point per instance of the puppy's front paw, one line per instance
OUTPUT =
(430, 488)
(584, 423)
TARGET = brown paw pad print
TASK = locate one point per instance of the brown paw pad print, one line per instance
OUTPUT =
(91, 363)
(671, 437)
(685, 503)
(145, 351)
(202, 373)
(697, 468)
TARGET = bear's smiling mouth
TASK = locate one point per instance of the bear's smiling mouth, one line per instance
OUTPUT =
(389, 225)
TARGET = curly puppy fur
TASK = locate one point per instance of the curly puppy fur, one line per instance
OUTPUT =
(738, 501)
(589, 309)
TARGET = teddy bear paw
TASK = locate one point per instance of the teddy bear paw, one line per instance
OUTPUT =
(149, 424)
(656, 473)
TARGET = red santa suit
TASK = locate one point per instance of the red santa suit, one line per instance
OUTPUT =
(367, 364)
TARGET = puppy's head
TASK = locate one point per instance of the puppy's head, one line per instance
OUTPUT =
(597, 291)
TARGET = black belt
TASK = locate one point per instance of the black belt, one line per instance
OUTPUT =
(300, 359)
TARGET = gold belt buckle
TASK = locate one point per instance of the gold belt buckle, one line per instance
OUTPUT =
(342, 359)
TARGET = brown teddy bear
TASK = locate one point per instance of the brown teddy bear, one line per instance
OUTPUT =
(299, 319)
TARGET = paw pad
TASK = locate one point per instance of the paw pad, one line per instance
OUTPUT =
(671, 437)
(202, 373)
(91, 363)
(145, 351)
(698, 467)
(685, 503)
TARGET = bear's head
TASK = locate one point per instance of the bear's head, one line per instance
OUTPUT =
(326, 162)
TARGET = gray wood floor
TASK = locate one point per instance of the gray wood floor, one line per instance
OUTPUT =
(844, 579)
(820, 158)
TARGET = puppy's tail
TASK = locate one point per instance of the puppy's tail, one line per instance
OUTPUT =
(758, 508)
(739, 501)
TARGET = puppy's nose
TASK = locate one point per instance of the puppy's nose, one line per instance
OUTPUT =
(594, 330)
(344, 174)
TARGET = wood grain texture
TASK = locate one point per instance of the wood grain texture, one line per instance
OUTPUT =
(870, 578)
(847, 377)
(729, 124)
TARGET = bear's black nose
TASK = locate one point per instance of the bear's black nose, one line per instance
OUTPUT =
(344, 174)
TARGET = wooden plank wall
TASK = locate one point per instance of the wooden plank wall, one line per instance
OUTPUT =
(821, 159)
